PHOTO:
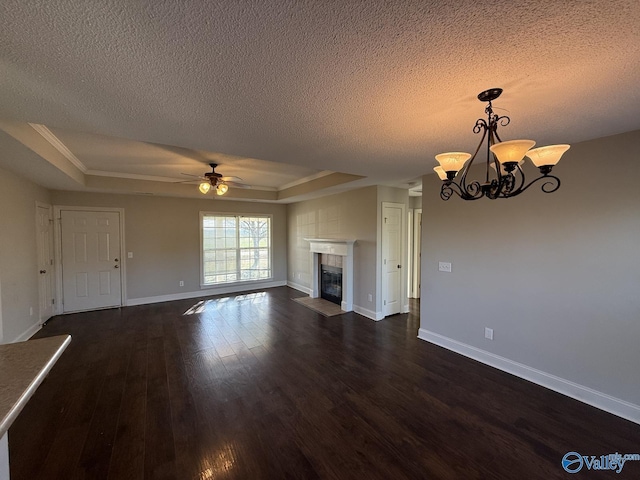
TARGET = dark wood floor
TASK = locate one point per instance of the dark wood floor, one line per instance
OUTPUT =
(257, 386)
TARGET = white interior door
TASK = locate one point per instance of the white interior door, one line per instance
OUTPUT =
(392, 225)
(44, 241)
(91, 273)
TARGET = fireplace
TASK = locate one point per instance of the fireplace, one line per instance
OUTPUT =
(343, 249)
(331, 283)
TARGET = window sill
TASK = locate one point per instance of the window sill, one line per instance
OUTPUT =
(209, 286)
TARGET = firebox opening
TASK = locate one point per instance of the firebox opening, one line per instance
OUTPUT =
(331, 283)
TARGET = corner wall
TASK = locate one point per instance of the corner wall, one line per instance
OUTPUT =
(557, 276)
(18, 260)
(348, 215)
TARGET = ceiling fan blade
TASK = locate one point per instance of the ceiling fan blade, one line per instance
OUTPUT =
(237, 185)
(191, 175)
(193, 181)
(231, 179)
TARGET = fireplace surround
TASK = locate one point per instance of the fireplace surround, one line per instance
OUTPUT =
(342, 248)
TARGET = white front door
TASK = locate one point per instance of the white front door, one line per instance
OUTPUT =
(392, 215)
(44, 242)
(91, 260)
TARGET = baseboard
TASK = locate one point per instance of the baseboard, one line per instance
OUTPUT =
(368, 313)
(26, 335)
(300, 288)
(204, 293)
(576, 391)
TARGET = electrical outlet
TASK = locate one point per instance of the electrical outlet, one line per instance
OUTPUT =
(31, 311)
(182, 283)
(444, 267)
(488, 333)
(370, 298)
(129, 254)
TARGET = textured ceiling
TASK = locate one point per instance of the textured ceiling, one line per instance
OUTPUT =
(373, 88)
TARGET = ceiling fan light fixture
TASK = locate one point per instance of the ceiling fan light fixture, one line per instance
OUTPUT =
(204, 187)
(222, 188)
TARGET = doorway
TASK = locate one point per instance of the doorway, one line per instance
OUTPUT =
(91, 273)
(393, 215)
(414, 232)
(44, 244)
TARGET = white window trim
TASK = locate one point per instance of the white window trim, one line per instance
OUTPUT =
(239, 282)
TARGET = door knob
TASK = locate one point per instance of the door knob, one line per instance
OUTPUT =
(116, 266)
(43, 271)
(399, 266)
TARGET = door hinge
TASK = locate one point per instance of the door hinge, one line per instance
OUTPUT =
(385, 302)
(51, 262)
(53, 301)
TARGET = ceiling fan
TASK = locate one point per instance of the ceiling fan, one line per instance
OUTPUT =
(220, 183)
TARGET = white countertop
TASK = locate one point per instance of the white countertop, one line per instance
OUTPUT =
(23, 367)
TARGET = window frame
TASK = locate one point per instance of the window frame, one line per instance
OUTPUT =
(238, 216)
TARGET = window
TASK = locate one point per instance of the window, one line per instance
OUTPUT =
(235, 248)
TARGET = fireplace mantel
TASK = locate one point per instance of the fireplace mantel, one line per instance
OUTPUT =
(333, 246)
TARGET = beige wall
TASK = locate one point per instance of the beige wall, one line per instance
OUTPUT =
(349, 215)
(18, 261)
(557, 276)
(163, 234)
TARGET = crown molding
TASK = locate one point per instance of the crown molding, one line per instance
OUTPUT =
(309, 178)
(135, 176)
(56, 143)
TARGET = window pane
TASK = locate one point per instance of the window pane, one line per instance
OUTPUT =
(235, 248)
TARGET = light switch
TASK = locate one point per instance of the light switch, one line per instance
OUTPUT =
(129, 254)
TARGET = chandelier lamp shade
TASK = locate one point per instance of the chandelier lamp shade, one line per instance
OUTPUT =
(504, 176)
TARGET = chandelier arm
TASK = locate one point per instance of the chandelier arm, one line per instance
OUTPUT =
(473, 191)
(516, 186)
(493, 132)
(480, 125)
(449, 188)
(503, 121)
(551, 184)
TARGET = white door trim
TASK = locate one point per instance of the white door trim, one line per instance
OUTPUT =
(53, 269)
(416, 254)
(58, 250)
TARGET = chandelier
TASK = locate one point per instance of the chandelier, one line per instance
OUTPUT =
(504, 177)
